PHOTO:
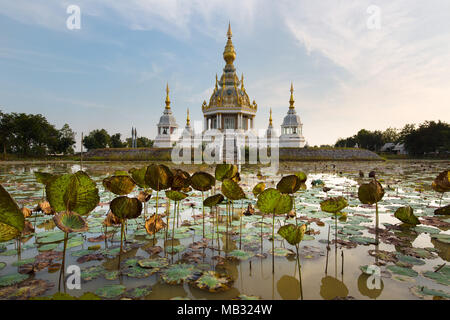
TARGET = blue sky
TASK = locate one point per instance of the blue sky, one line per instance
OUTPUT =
(112, 72)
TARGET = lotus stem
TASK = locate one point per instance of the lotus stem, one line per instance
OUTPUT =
(240, 228)
(63, 265)
(299, 272)
(121, 236)
(273, 243)
(173, 229)
(154, 227)
(203, 216)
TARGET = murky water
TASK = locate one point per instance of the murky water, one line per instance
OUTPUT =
(412, 253)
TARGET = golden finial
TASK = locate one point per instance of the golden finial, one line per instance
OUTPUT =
(188, 120)
(167, 97)
(242, 82)
(216, 82)
(229, 54)
(270, 117)
(229, 33)
(291, 100)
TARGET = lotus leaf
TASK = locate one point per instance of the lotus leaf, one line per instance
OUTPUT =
(138, 176)
(225, 171)
(73, 192)
(139, 292)
(202, 181)
(214, 200)
(443, 211)
(402, 271)
(301, 176)
(289, 184)
(240, 254)
(154, 224)
(232, 190)
(110, 291)
(12, 221)
(44, 177)
(213, 281)
(175, 195)
(179, 273)
(69, 222)
(120, 185)
(272, 201)
(258, 188)
(292, 233)
(158, 177)
(406, 215)
(10, 279)
(333, 205)
(371, 192)
(126, 208)
(442, 182)
(181, 180)
(154, 263)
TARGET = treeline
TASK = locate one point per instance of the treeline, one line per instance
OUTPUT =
(32, 135)
(427, 138)
(98, 139)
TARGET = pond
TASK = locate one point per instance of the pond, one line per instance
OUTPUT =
(339, 258)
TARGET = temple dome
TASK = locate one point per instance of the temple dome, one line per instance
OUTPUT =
(292, 119)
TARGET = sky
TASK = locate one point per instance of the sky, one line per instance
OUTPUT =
(354, 64)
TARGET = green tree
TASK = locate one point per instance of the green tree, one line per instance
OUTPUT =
(116, 142)
(96, 139)
(66, 140)
(390, 135)
(429, 137)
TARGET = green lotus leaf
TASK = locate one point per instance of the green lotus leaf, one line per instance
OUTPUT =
(258, 188)
(175, 195)
(289, 184)
(138, 176)
(232, 190)
(12, 221)
(272, 201)
(202, 181)
(442, 276)
(292, 233)
(179, 273)
(69, 222)
(181, 180)
(403, 271)
(110, 291)
(225, 171)
(213, 282)
(10, 279)
(369, 193)
(158, 177)
(302, 176)
(214, 200)
(73, 192)
(282, 252)
(154, 263)
(333, 205)
(138, 292)
(126, 208)
(120, 185)
(442, 182)
(44, 177)
(406, 215)
(240, 254)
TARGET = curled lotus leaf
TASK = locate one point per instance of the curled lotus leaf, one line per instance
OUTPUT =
(289, 184)
(442, 182)
(214, 200)
(202, 181)
(138, 176)
(213, 281)
(144, 196)
(273, 201)
(12, 220)
(175, 195)
(181, 180)
(301, 176)
(120, 185)
(225, 171)
(369, 193)
(180, 273)
(111, 220)
(73, 192)
(258, 188)
(333, 205)
(292, 233)
(406, 215)
(158, 177)
(154, 224)
(44, 177)
(126, 208)
(69, 222)
(232, 190)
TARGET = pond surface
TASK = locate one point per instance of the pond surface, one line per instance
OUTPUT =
(406, 257)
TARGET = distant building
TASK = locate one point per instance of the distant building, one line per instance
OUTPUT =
(291, 128)
(167, 126)
(388, 147)
(270, 132)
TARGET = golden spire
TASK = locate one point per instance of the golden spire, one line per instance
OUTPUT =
(291, 100)
(188, 120)
(242, 82)
(216, 82)
(229, 54)
(270, 118)
(167, 97)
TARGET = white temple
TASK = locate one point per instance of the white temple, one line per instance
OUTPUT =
(167, 127)
(291, 128)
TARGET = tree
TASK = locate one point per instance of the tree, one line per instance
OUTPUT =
(430, 137)
(66, 140)
(6, 131)
(390, 135)
(142, 142)
(116, 142)
(96, 139)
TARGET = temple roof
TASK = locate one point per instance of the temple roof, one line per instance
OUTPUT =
(229, 91)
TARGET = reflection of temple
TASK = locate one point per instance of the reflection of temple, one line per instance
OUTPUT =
(166, 127)
(229, 106)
